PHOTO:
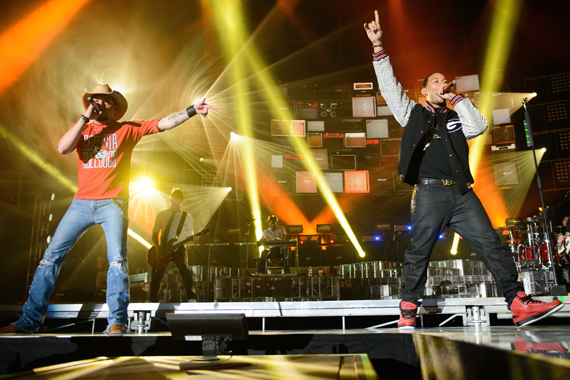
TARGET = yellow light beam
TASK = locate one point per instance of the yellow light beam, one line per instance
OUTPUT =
(267, 83)
(498, 49)
(33, 156)
(230, 23)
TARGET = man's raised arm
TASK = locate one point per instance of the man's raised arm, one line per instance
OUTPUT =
(398, 102)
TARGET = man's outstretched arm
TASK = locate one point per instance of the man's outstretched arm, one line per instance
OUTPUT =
(174, 120)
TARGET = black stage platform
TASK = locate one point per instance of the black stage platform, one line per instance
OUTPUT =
(480, 349)
(448, 353)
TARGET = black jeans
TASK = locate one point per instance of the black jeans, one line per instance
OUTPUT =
(433, 208)
(156, 276)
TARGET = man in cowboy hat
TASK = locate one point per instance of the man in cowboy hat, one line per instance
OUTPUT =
(104, 149)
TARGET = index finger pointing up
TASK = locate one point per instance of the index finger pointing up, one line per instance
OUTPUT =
(376, 18)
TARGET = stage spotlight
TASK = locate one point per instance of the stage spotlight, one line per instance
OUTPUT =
(201, 159)
(377, 238)
(544, 149)
(229, 189)
(144, 185)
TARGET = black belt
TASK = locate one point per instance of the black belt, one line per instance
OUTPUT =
(435, 181)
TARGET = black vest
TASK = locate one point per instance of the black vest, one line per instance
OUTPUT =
(413, 142)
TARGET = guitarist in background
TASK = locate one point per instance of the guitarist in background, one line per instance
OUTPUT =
(177, 225)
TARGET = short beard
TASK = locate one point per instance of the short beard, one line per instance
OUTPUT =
(102, 118)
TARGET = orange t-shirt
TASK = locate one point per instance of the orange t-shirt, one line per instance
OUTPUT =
(104, 157)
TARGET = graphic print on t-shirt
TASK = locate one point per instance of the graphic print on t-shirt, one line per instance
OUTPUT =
(98, 151)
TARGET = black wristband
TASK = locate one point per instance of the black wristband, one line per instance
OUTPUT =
(84, 118)
(191, 111)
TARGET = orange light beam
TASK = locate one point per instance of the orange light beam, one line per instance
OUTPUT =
(22, 43)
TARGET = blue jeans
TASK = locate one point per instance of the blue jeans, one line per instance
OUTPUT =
(81, 215)
(433, 208)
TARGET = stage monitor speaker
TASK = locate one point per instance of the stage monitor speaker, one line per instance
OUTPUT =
(377, 129)
(356, 181)
(314, 140)
(310, 256)
(306, 110)
(381, 181)
(506, 174)
(343, 162)
(390, 147)
(334, 180)
(280, 127)
(355, 140)
(321, 156)
(305, 183)
(364, 106)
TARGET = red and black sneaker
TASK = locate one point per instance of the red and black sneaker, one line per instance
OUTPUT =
(408, 312)
(525, 310)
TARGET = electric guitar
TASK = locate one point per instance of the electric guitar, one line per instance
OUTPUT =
(563, 248)
(159, 260)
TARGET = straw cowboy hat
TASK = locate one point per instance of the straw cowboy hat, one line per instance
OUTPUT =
(104, 89)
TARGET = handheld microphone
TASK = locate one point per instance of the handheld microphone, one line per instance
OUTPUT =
(95, 105)
(448, 86)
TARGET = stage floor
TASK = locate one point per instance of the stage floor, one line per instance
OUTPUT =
(464, 344)
(505, 352)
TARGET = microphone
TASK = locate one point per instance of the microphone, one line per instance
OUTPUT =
(95, 105)
(448, 86)
(253, 220)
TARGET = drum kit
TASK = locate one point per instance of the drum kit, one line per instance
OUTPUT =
(528, 244)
